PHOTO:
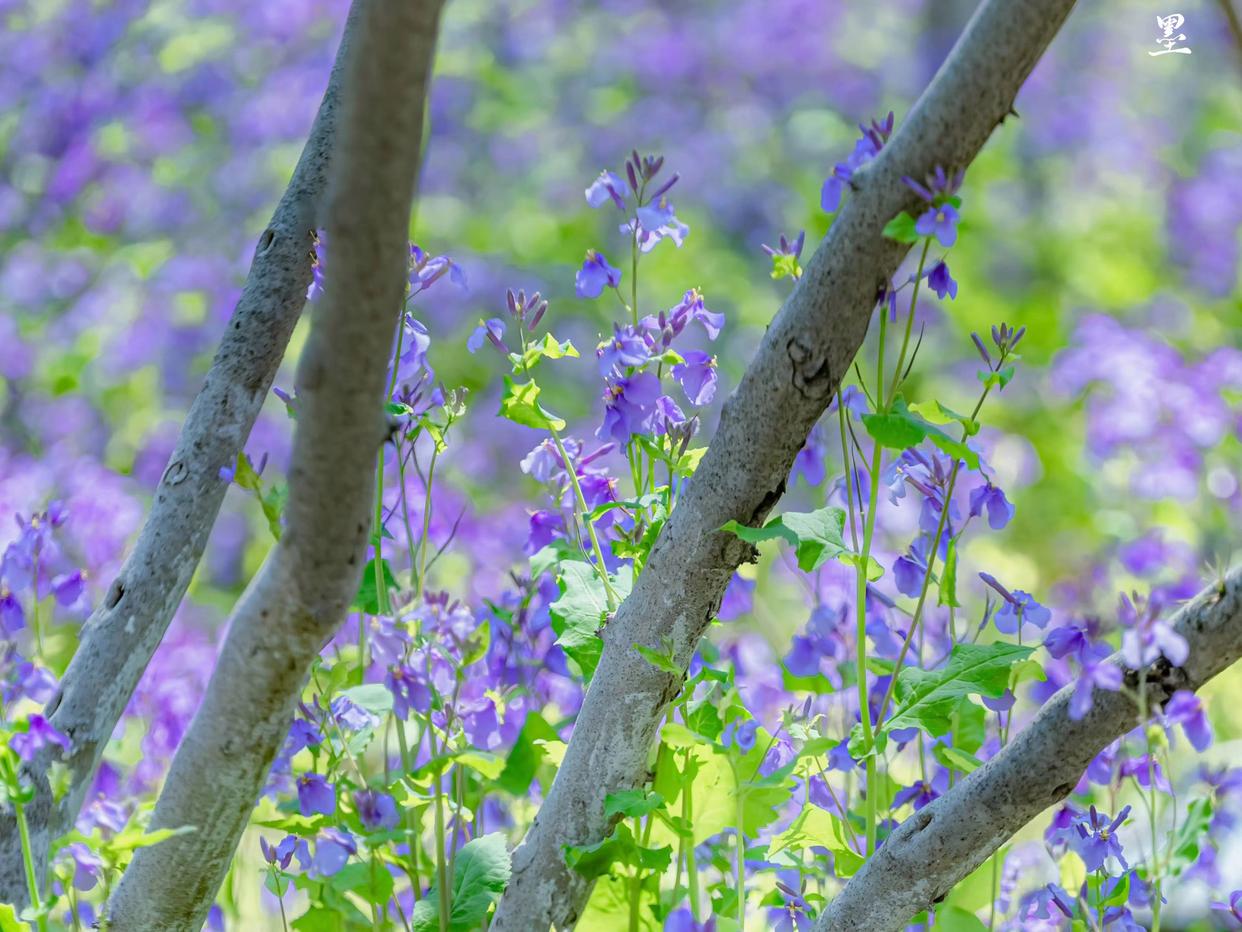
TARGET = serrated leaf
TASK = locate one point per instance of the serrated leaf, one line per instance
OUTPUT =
(481, 871)
(815, 535)
(632, 803)
(520, 404)
(901, 228)
(927, 698)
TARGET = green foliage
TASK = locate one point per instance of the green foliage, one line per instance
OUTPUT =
(927, 698)
(815, 535)
(480, 874)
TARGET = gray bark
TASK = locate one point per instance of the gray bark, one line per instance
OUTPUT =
(124, 630)
(786, 388)
(940, 845)
(302, 593)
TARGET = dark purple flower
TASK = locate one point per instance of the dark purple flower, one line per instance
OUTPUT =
(865, 149)
(12, 615)
(992, 499)
(697, 376)
(376, 810)
(87, 865)
(595, 275)
(68, 587)
(315, 795)
(682, 920)
(1096, 840)
(742, 735)
(409, 688)
(281, 855)
(940, 281)
(545, 527)
(910, 569)
(39, 734)
(691, 307)
(1068, 639)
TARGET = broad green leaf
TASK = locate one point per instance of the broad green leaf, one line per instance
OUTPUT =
(480, 874)
(937, 413)
(957, 759)
(901, 228)
(520, 404)
(815, 535)
(632, 803)
(620, 848)
(582, 607)
(374, 697)
(9, 921)
(927, 698)
(524, 757)
(608, 910)
(132, 839)
(489, 765)
(658, 660)
(547, 348)
(367, 600)
(900, 429)
(956, 919)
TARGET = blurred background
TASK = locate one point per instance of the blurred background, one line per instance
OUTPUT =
(144, 144)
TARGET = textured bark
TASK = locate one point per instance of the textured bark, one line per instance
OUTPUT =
(124, 630)
(786, 388)
(304, 590)
(940, 845)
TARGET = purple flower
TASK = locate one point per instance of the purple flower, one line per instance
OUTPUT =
(628, 405)
(315, 795)
(691, 307)
(605, 188)
(332, 850)
(545, 527)
(742, 735)
(940, 222)
(1233, 907)
(409, 688)
(68, 587)
(682, 920)
(865, 149)
(349, 714)
(281, 855)
(656, 222)
(493, 330)
(1148, 636)
(940, 281)
(626, 349)
(376, 810)
(697, 376)
(1185, 709)
(1097, 840)
(12, 615)
(910, 569)
(1021, 607)
(39, 734)
(992, 499)
(1097, 673)
(595, 275)
(87, 866)
(1068, 639)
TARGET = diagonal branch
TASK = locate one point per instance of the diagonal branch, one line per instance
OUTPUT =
(795, 372)
(124, 630)
(941, 844)
(304, 589)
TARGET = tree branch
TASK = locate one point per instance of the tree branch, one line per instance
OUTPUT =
(125, 629)
(941, 844)
(795, 372)
(303, 591)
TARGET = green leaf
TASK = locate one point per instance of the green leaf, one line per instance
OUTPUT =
(957, 759)
(927, 698)
(901, 228)
(937, 413)
(948, 577)
(548, 348)
(245, 475)
(480, 874)
(489, 765)
(132, 839)
(661, 661)
(632, 803)
(813, 827)
(620, 848)
(8, 919)
(899, 429)
(582, 607)
(815, 535)
(785, 266)
(374, 697)
(1190, 835)
(367, 599)
(520, 404)
(524, 757)
(956, 919)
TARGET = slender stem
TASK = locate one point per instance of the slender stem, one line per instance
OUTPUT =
(860, 600)
(422, 542)
(739, 879)
(692, 868)
(280, 898)
(32, 881)
(905, 340)
(442, 890)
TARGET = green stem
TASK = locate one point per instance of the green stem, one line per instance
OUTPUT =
(860, 599)
(739, 869)
(905, 340)
(422, 542)
(32, 882)
(692, 868)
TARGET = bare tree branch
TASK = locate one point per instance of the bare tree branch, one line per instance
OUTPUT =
(795, 372)
(303, 591)
(941, 844)
(124, 630)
